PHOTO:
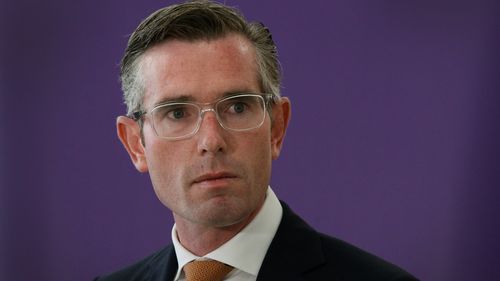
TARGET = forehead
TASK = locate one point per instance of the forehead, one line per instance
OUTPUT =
(201, 70)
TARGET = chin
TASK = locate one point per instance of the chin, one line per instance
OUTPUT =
(224, 215)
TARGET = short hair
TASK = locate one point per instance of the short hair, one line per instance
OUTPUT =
(191, 21)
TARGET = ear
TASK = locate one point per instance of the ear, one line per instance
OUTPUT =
(130, 135)
(281, 116)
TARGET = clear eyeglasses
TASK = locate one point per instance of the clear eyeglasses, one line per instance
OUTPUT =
(180, 120)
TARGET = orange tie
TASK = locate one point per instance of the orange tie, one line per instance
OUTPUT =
(209, 270)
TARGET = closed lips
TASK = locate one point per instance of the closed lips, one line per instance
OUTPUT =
(214, 176)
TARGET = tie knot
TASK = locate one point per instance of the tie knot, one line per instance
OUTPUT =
(209, 270)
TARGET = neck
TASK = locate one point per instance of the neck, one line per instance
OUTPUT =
(202, 239)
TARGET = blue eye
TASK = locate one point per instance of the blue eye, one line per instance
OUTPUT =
(239, 107)
(177, 114)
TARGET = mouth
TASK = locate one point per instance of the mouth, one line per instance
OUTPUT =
(214, 177)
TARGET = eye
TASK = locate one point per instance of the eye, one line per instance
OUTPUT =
(238, 107)
(176, 113)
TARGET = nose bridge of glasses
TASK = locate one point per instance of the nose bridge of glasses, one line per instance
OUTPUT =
(208, 109)
(203, 110)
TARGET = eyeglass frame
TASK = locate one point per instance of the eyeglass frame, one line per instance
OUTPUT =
(268, 99)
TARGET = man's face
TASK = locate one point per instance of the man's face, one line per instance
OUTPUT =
(217, 177)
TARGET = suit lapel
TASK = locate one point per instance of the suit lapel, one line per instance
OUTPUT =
(164, 267)
(295, 249)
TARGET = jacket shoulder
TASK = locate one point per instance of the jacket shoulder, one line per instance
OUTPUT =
(357, 264)
(143, 269)
(320, 256)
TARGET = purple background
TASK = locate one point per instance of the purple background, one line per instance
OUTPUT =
(393, 143)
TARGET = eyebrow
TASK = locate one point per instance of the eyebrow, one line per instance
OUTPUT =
(190, 98)
(180, 98)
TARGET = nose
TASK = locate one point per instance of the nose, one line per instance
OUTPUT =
(211, 135)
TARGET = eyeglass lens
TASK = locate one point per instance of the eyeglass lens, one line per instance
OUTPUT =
(237, 113)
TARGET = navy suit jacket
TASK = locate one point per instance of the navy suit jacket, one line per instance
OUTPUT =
(297, 253)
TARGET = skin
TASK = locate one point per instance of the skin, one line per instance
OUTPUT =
(215, 181)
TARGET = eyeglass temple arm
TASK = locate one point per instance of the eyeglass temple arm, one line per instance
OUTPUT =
(136, 115)
(272, 98)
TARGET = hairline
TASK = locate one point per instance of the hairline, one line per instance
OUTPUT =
(137, 66)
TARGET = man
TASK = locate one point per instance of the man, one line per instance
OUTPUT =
(205, 120)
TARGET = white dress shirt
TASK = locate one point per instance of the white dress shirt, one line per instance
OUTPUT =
(246, 250)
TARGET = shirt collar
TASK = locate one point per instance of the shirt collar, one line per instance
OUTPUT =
(247, 249)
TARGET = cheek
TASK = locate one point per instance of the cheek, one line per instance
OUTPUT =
(160, 154)
(166, 178)
(164, 168)
(257, 151)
